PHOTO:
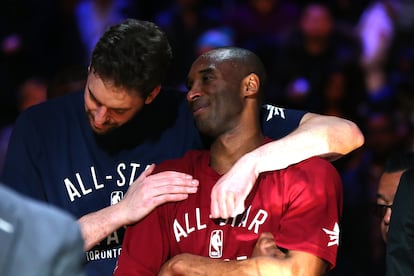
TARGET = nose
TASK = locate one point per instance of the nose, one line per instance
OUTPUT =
(387, 216)
(100, 115)
(193, 93)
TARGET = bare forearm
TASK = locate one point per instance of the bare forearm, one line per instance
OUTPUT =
(326, 136)
(187, 264)
(339, 136)
(98, 225)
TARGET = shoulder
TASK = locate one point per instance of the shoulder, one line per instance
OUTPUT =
(56, 108)
(277, 122)
(315, 162)
(314, 172)
(51, 117)
(272, 112)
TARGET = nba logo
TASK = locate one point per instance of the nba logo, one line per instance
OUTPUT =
(116, 197)
(216, 244)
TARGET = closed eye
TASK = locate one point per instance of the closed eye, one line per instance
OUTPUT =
(119, 111)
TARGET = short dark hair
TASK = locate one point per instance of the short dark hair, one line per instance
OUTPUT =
(134, 55)
(245, 63)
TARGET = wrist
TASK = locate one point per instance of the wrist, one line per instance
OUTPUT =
(254, 161)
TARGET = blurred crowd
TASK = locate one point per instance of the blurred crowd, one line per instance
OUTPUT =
(353, 59)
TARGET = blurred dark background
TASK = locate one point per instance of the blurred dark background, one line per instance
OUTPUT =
(353, 59)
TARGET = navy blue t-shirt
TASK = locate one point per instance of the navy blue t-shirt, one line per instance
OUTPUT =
(54, 156)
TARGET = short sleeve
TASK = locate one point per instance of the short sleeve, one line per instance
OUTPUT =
(313, 207)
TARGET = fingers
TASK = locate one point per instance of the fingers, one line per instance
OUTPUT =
(168, 186)
(145, 173)
(172, 182)
(239, 209)
(225, 204)
(222, 205)
(161, 199)
(162, 179)
(217, 208)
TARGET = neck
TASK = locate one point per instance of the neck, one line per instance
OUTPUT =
(230, 147)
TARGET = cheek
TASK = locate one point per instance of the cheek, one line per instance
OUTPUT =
(230, 104)
(121, 119)
(89, 105)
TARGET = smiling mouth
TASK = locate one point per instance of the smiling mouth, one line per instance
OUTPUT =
(197, 107)
(197, 111)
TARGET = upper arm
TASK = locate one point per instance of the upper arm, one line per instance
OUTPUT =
(314, 185)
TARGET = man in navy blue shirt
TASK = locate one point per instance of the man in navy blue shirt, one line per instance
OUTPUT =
(84, 162)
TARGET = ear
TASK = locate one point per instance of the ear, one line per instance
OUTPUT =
(251, 85)
(154, 93)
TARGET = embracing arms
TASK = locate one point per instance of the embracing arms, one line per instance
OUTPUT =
(317, 135)
(326, 136)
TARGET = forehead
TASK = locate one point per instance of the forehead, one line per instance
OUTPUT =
(217, 62)
(389, 182)
(109, 95)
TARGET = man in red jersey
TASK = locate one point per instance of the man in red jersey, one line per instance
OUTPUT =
(297, 208)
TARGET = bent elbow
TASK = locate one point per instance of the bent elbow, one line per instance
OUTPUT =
(357, 136)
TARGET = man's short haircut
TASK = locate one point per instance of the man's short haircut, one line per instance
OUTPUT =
(244, 61)
(134, 55)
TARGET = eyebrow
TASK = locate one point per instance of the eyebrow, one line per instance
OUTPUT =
(92, 95)
(380, 196)
(112, 108)
(201, 71)
(206, 70)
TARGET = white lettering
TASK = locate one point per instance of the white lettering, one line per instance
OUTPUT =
(243, 223)
(178, 231)
(95, 179)
(121, 167)
(102, 254)
(187, 224)
(72, 191)
(198, 219)
(112, 238)
(258, 220)
(84, 191)
(274, 111)
(134, 169)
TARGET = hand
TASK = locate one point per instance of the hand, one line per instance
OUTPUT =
(230, 191)
(266, 246)
(149, 191)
